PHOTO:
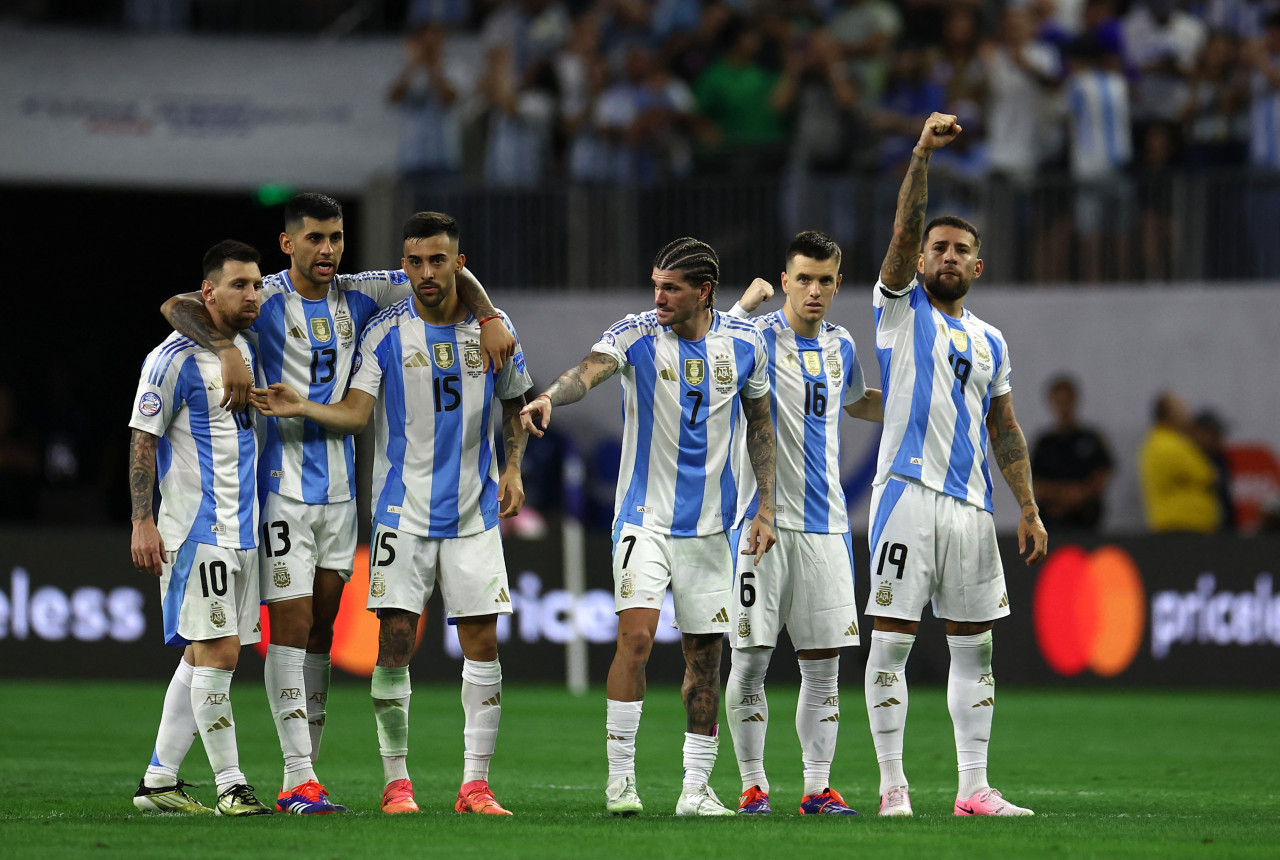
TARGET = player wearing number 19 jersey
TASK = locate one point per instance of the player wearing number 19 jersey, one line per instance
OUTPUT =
(932, 535)
(806, 581)
(689, 377)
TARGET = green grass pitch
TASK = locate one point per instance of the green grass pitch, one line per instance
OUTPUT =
(1109, 773)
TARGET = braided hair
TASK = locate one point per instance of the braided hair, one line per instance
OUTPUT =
(695, 260)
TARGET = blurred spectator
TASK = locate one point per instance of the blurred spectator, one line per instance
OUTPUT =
(583, 74)
(1157, 230)
(451, 14)
(745, 129)
(1178, 481)
(646, 118)
(1102, 25)
(689, 52)
(20, 465)
(1162, 43)
(961, 73)
(865, 31)
(1022, 74)
(1209, 433)
(1070, 464)
(428, 92)
(1255, 485)
(910, 93)
(1263, 195)
(1217, 113)
(1099, 151)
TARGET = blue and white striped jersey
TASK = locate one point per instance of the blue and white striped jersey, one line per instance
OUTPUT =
(811, 381)
(1099, 124)
(207, 457)
(939, 375)
(311, 345)
(434, 470)
(681, 414)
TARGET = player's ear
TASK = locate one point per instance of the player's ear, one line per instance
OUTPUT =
(286, 244)
(920, 262)
(977, 268)
(206, 289)
(462, 261)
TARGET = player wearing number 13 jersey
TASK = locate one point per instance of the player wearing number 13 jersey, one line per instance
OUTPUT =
(932, 535)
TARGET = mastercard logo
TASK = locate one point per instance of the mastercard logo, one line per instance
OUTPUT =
(355, 632)
(1089, 610)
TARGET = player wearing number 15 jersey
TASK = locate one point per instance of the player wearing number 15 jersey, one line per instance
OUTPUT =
(437, 495)
(932, 536)
(690, 375)
(202, 545)
(311, 320)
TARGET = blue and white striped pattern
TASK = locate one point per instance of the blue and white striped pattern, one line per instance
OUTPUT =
(434, 471)
(811, 380)
(681, 411)
(311, 346)
(1264, 121)
(1099, 112)
(207, 457)
(935, 429)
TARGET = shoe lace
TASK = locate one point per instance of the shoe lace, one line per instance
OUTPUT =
(244, 794)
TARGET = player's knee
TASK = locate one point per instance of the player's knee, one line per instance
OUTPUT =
(635, 644)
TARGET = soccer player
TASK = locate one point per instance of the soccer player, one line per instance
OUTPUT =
(806, 582)
(311, 320)
(437, 495)
(932, 535)
(202, 544)
(689, 374)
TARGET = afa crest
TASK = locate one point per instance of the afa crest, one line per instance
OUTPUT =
(834, 370)
(471, 355)
(218, 616)
(346, 328)
(280, 575)
(722, 372)
(320, 329)
(377, 585)
(980, 349)
(884, 594)
(626, 588)
(443, 355)
(744, 625)
(695, 370)
(812, 362)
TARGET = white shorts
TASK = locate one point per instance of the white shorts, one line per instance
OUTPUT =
(806, 583)
(404, 569)
(297, 538)
(699, 571)
(209, 592)
(926, 545)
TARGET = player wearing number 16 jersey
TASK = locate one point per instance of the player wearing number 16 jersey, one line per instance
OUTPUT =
(689, 377)
(946, 393)
(202, 545)
(311, 320)
(806, 582)
(437, 495)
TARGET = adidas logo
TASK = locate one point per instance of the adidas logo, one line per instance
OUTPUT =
(299, 714)
(297, 332)
(493, 701)
(757, 717)
(722, 615)
(222, 723)
(612, 737)
(1004, 601)
(417, 360)
(318, 721)
(834, 718)
(853, 630)
(888, 703)
(986, 703)
(502, 597)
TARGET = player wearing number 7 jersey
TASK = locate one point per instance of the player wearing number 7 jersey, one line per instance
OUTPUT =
(932, 535)
(311, 320)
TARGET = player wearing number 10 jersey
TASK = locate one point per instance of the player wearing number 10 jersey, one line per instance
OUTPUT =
(311, 321)
(946, 392)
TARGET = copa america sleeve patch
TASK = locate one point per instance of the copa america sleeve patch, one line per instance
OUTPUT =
(149, 404)
(355, 368)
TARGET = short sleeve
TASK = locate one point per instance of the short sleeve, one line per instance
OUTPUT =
(757, 384)
(614, 341)
(1001, 383)
(513, 380)
(158, 397)
(366, 370)
(892, 307)
(855, 387)
(384, 287)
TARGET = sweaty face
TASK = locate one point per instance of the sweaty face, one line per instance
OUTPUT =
(316, 248)
(810, 286)
(676, 300)
(431, 264)
(235, 293)
(949, 263)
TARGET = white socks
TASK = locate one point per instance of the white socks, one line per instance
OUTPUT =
(177, 730)
(621, 722)
(315, 676)
(391, 691)
(287, 696)
(211, 707)
(818, 720)
(482, 710)
(971, 698)
(885, 686)
(699, 758)
(748, 712)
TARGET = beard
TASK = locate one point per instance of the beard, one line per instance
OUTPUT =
(948, 292)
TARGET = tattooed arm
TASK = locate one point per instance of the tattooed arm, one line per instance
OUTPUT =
(762, 448)
(514, 437)
(1010, 448)
(899, 265)
(571, 387)
(146, 546)
(188, 315)
(496, 343)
